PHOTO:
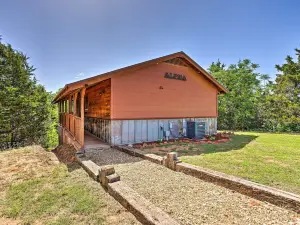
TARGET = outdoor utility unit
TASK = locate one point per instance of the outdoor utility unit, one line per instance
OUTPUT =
(195, 129)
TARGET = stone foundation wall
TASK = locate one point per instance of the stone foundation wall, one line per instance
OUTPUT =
(137, 131)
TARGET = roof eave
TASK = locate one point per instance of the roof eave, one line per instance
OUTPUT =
(220, 87)
(55, 100)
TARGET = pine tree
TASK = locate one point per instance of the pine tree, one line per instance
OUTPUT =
(24, 104)
(285, 102)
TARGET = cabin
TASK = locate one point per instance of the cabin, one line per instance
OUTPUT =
(153, 100)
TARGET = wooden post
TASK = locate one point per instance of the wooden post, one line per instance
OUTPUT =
(70, 104)
(75, 112)
(75, 103)
(82, 94)
(66, 106)
(59, 109)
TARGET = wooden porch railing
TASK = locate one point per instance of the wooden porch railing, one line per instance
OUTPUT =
(73, 125)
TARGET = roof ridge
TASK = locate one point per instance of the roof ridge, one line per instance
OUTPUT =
(196, 66)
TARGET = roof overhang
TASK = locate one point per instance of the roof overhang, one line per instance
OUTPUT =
(76, 86)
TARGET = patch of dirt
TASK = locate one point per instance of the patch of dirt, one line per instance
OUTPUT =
(171, 147)
(65, 153)
(183, 146)
(238, 160)
(181, 149)
(208, 139)
(8, 221)
(23, 164)
(269, 160)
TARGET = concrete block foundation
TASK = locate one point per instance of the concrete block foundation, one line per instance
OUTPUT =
(138, 131)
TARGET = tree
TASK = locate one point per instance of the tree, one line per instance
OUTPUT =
(24, 104)
(264, 78)
(254, 102)
(52, 134)
(284, 101)
(239, 108)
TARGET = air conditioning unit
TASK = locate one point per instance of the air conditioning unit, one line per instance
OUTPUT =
(195, 129)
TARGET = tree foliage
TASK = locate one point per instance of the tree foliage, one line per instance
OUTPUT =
(283, 112)
(254, 102)
(238, 108)
(26, 113)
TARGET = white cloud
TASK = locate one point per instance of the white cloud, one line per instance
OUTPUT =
(80, 75)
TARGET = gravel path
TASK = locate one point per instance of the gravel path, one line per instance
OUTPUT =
(108, 156)
(188, 199)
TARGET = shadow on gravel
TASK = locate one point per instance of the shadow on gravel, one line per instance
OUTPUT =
(109, 156)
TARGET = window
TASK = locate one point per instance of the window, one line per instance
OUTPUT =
(86, 103)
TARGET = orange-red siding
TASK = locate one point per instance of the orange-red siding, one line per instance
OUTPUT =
(146, 94)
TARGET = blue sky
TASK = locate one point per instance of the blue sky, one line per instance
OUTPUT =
(69, 40)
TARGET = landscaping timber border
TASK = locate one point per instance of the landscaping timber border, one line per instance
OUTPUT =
(258, 191)
(141, 208)
(138, 153)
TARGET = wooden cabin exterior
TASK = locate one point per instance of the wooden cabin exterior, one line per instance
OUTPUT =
(139, 103)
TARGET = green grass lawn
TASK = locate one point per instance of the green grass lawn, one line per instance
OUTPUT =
(36, 189)
(271, 159)
(33, 199)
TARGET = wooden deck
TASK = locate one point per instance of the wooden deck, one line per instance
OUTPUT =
(90, 141)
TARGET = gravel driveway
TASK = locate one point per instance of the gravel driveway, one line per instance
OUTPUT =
(188, 199)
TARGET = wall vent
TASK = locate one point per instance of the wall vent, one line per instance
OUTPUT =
(177, 61)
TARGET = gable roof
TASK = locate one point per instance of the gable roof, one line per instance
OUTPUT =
(71, 87)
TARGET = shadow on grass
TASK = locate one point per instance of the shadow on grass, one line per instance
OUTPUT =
(66, 155)
(238, 142)
(190, 149)
(73, 166)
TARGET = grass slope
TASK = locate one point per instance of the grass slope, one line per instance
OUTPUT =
(271, 159)
(49, 196)
(36, 189)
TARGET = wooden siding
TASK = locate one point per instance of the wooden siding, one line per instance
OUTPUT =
(146, 94)
(98, 100)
